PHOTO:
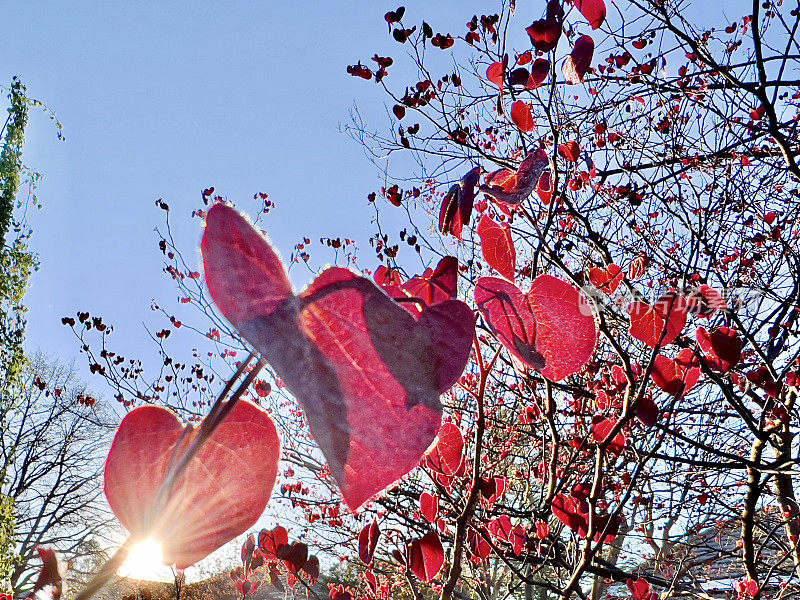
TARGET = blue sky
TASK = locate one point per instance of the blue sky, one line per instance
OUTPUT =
(162, 99)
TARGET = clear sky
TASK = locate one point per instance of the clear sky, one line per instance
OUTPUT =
(161, 99)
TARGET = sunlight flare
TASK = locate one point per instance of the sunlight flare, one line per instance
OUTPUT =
(145, 561)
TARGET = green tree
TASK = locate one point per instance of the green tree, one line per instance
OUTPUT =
(16, 264)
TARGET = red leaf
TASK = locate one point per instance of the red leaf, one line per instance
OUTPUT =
(448, 453)
(479, 547)
(272, 540)
(658, 325)
(457, 204)
(519, 539)
(495, 74)
(502, 179)
(574, 513)
(552, 329)
(50, 576)
(568, 510)
(312, 567)
(594, 11)
(528, 176)
(606, 280)
(647, 411)
(640, 589)
(368, 541)
(570, 151)
(294, 556)
(241, 458)
(429, 507)
(497, 246)
(426, 557)
(566, 331)
(539, 72)
(601, 429)
(578, 62)
(544, 34)
(522, 117)
(638, 267)
(384, 276)
(676, 376)
(373, 425)
(501, 528)
(508, 313)
(722, 347)
(544, 189)
(449, 221)
(493, 489)
(704, 301)
(432, 287)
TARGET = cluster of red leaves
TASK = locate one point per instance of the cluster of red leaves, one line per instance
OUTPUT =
(271, 549)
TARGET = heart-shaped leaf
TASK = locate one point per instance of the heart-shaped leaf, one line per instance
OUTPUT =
(519, 539)
(501, 528)
(508, 313)
(528, 176)
(222, 493)
(722, 347)
(270, 541)
(574, 513)
(479, 548)
(570, 151)
(432, 287)
(569, 511)
(679, 375)
(647, 411)
(606, 280)
(566, 330)
(544, 34)
(640, 589)
(367, 373)
(498, 247)
(593, 11)
(426, 557)
(703, 301)
(495, 73)
(578, 62)
(601, 430)
(448, 453)
(522, 116)
(551, 329)
(660, 324)
(368, 542)
(539, 72)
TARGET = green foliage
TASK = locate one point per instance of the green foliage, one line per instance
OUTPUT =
(11, 156)
(16, 265)
(6, 543)
(16, 261)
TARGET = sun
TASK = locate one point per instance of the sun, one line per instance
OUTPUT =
(145, 561)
